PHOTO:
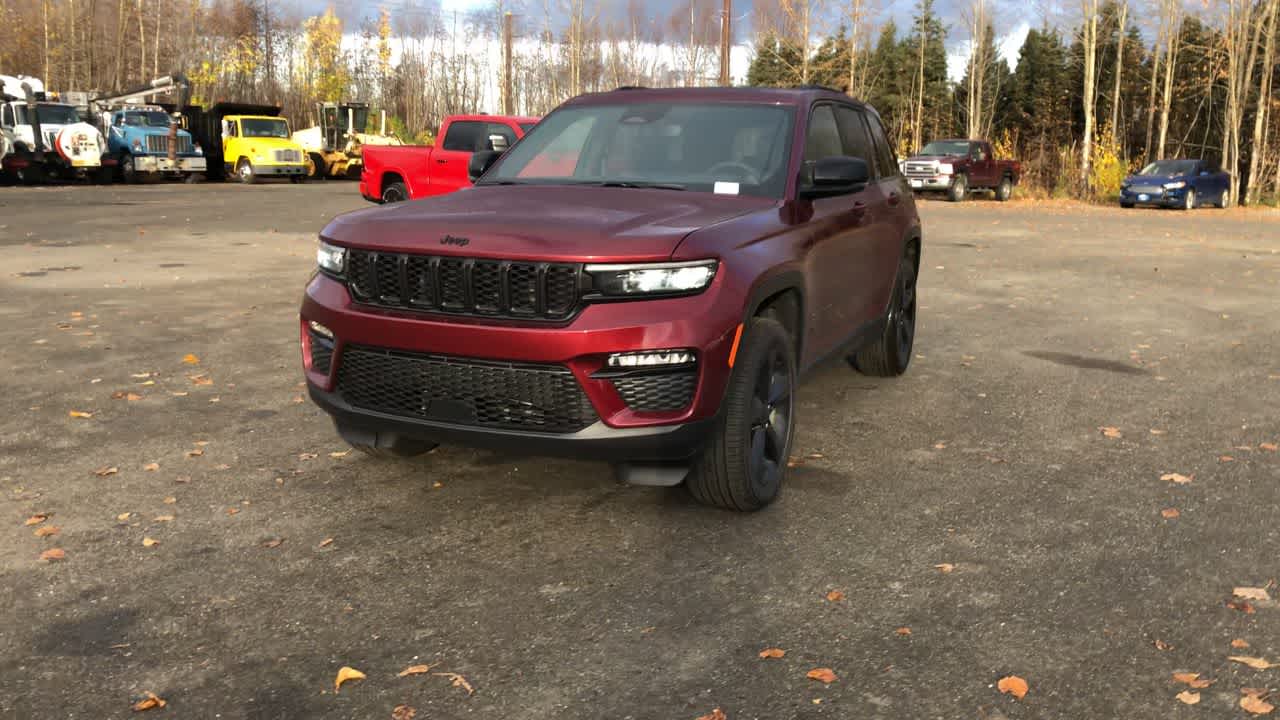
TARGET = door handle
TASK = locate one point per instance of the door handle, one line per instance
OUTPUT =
(441, 161)
(894, 198)
(859, 209)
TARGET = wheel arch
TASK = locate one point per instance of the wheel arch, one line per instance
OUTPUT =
(388, 177)
(782, 295)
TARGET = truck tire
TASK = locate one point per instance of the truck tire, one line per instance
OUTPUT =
(959, 188)
(395, 192)
(744, 463)
(244, 171)
(890, 353)
(1004, 190)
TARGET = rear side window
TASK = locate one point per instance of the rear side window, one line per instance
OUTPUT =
(463, 136)
(884, 151)
(823, 139)
(856, 140)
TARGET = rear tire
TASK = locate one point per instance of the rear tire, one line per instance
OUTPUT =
(744, 464)
(1005, 190)
(395, 192)
(959, 189)
(1223, 200)
(890, 353)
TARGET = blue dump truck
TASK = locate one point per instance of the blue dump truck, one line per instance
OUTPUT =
(147, 144)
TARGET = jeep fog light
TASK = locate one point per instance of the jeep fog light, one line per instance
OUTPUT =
(320, 330)
(651, 358)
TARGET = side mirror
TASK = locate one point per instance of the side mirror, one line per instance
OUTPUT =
(480, 163)
(498, 142)
(837, 175)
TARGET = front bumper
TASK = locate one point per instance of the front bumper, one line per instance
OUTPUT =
(705, 323)
(1162, 197)
(933, 182)
(264, 169)
(162, 164)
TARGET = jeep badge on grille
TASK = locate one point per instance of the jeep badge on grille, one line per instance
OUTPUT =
(453, 240)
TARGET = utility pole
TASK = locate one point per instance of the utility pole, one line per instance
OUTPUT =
(507, 96)
(725, 41)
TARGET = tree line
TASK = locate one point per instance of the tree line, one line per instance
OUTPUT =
(1095, 92)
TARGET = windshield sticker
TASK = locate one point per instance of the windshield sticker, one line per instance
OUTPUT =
(726, 188)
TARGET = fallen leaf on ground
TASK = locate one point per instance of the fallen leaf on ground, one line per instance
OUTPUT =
(716, 714)
(36, 519)
(414, 670)
(904, 630)
(437, 485)
(1155, 431)
(1177, 478)
(1242, 605)
(344, 674)
(200, 379)
(273, 542)
(1239, 643)
(1162, 646)
(124, 516)
(179, 393)
(1269, 447)
(774, 653)
(307, 456)
(80, 414)
(1251, 593)
(170, 500)
(53, 554)
(835, 596)
(151, 467)
(1225, 459)
(940, 446)
(403, 712)
(326, 542)
(47, 530)
(140, 376)
(162, 518)
(457, 681)
(149, 542)
(945, 567)
(1186, 697)
(1169, 513)
(1256, 663)
(232, 510)
(1256, 705)
(824, 675)
(195, 453)
(105, 471)
(1111, 432)
(190, 359)
(149, 702)
(815, 456)
(1192, 679)
(1013, 685)
(342, 454)
(122, 395)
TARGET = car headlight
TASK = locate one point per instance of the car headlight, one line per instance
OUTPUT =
(331, 258)
(1175, 185)
(946, 168)
(674, 278)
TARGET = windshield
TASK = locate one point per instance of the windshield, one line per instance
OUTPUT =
(1169, 167)
(50, 114)
(946, 147)
(148, 118)
(726, 148)
(264, 127)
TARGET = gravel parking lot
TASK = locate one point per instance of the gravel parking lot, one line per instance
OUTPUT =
(1000, 510)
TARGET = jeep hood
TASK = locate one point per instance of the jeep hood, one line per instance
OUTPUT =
(551, 222)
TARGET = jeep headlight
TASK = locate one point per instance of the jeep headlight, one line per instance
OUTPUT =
(674, 278)
(1175, 185)
(946, 168)
(331, 258)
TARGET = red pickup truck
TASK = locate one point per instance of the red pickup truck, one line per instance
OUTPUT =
(407, 172)
(958, 167)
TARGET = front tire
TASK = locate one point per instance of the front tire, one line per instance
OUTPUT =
(959, 189)
(743, 466)
(244, 171)
(890, 353)
(395, 192)
(1189, 199)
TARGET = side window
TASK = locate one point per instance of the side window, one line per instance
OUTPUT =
(884, 151)
(823, 139)
(498, 137)
(853, 131)
(6, 116)
(463, 136)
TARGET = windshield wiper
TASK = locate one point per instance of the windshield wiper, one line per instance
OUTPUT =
(638, 184)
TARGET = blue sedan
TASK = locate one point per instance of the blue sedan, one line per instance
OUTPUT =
(1184, 184)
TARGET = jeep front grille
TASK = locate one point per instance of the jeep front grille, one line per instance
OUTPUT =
(159, 144)
(464, 391)
(464, 286)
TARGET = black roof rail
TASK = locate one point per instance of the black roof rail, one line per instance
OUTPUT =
(816, 87)
(631, 87)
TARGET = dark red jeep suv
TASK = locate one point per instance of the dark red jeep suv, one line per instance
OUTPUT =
(639, 280)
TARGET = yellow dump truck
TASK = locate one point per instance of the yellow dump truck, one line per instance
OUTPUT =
(255, 146)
